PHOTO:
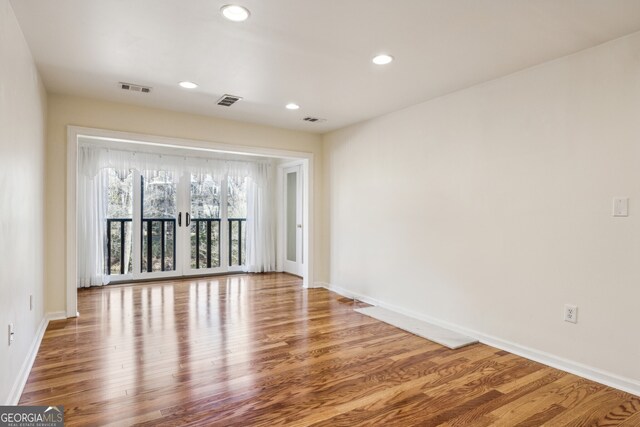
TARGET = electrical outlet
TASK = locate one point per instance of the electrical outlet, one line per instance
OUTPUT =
(12, 333)
(570, 313)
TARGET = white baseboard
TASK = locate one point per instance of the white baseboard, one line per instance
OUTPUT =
(56, 315)
(25, 369)
(318, 285)
(598, 375)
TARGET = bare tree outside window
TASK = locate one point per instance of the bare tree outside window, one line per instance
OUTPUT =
(119, 216)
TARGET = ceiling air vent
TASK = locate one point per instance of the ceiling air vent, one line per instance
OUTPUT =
(228, 100)
(314, 120)
(134, 88)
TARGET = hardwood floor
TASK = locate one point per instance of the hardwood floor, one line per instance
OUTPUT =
(255, 350)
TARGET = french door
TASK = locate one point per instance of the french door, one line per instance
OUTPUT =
(215, 218)
(163, 224)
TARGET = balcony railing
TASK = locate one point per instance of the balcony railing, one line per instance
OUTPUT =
(207, 231)
(160, 256)
(158, 249)
(237, 236)
(165, 228)
(117, 229)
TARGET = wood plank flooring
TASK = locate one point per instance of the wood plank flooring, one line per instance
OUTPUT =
(259, 350)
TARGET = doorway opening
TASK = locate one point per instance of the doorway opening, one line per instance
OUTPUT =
(148, 207)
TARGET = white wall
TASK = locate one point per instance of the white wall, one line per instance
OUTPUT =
(490, 208)
(22, 117)
(70, 110)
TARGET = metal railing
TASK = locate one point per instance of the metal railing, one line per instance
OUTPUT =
(147, 224)
(236, 239)
(210, 226)
(120, 222)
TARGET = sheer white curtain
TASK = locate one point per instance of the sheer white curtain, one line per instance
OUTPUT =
(92, 212)
(92, 197)
(94, 159)
(261, 248)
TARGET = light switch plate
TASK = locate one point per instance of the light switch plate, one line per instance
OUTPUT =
(621, 206)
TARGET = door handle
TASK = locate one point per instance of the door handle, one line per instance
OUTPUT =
(188, 218)
(180, 219)
(299, 225)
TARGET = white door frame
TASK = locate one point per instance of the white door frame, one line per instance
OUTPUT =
(74, 132)
(282, 217)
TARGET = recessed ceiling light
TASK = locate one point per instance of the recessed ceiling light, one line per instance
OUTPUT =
(188, 85)
(292, 106)
(382, 59)
(235, 13)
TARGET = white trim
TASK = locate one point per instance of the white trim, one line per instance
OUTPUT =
(594, 374)
(324, 285)
(279, 198)
(73, 132)
(293, 267)
(280, 212)
(193, 144)
(308, 231)
(56, 315)
(25, 369)
(72, 212)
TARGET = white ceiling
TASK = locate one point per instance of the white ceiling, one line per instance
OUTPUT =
(315, 53)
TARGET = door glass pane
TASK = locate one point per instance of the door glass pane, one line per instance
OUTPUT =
(237, 216)
(119, 215)
(205, 222)
(159, 199)
(292, 220)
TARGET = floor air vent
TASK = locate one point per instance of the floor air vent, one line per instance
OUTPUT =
(314, 120)
(134, 88)
(228, 100)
